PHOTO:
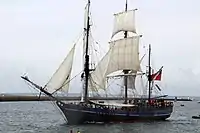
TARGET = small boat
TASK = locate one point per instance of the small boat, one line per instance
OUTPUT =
(196, 117)
(182, 105)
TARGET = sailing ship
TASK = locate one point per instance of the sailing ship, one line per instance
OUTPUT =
(122, 56)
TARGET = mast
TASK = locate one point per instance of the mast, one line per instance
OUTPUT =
(86, 67)
(125, 71)
(126, 7)
(149, 75)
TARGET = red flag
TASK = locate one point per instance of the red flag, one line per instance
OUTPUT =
(157, 75)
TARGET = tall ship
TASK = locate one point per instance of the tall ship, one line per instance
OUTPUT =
(122, 60)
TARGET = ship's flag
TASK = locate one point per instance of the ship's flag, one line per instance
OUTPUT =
(157, 75)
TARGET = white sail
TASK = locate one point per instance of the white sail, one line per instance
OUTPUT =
(98, 76)
(124, 55)
(60, 79)
(124, 21)
(131, 82)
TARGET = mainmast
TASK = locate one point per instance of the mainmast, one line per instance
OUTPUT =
(126, 7)
(149, 75)
(125, 71)
(86, 67)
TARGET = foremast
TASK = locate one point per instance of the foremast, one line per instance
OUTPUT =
(86, 66)
(61, 78)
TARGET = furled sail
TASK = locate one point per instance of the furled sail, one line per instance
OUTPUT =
(85, 28)
(86, 13)
(124, 21)
(124, 55)
(60, 79)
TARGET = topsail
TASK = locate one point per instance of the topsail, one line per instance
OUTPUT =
(124, 21)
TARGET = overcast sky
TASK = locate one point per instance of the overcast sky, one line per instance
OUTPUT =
(35, 36)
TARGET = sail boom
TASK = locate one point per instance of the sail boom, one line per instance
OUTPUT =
(122, 75)
(125, 11)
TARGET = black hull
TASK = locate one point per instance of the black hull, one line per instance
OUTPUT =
(76, 114)
(196, 117)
